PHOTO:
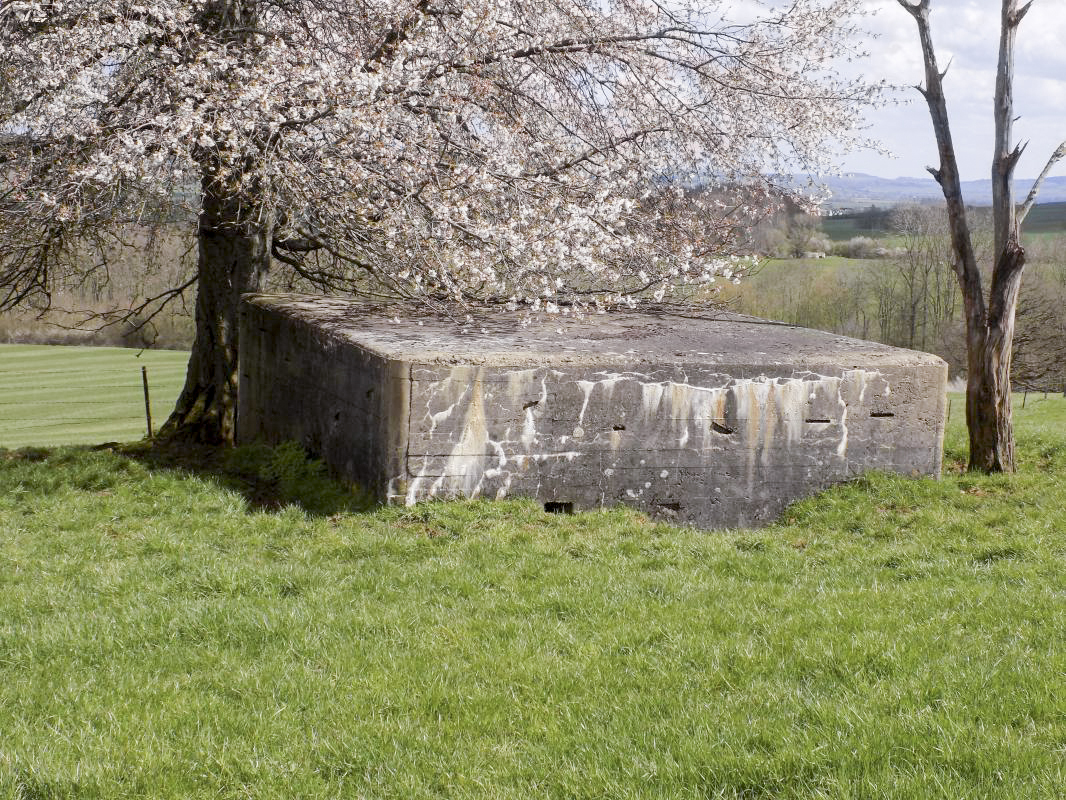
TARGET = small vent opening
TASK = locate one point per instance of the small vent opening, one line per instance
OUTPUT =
(881, 414)
(817, 421)
(619, 427)
(530, 404)
(718, 427)
(558, 507)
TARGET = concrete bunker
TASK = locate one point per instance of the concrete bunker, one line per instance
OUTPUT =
(706, 418)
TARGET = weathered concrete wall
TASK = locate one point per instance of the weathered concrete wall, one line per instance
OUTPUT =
(709, 419)
(345, 403)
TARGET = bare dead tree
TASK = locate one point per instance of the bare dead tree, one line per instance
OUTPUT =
(989, 324)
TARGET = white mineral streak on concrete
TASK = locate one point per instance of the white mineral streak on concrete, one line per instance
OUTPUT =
(842, 446)
(651, 395)
(519, 386)
(464, 472)
(683, 398)
(465, 469)
(440, 416)
(749, 396)
(415, 484)
(693, 405)
(447, 387)
(586, 388)
(859, 377)
(501, 455)
(770, 412)
(766, 407)
(529, 430)
(502, 491)
(792, 394)
(458, 379)
(608, 382)
(771, 417)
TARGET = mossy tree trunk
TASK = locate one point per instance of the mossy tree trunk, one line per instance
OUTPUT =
(234, 258)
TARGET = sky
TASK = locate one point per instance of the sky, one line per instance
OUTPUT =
(966, 33)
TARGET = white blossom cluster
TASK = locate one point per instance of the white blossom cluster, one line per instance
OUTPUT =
(530, 152)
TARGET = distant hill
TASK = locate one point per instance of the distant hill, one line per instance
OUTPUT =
(856, 190)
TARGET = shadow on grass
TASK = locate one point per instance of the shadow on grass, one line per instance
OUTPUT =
(268, 478)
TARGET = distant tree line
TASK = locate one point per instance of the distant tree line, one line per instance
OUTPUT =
(899, 288)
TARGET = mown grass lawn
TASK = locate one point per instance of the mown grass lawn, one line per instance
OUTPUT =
(83, 395)
(176, 628)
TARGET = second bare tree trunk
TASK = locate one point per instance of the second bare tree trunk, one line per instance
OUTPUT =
(989, 417)
(989, 327)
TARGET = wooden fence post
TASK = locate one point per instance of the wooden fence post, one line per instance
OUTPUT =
(147, 404)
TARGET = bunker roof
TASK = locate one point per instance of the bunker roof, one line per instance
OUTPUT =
(652, 335)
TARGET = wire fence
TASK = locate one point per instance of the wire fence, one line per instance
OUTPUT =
(1038, 393)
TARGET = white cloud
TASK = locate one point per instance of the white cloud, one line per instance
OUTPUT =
(966, 33)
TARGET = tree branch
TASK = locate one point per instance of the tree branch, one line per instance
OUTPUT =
(1019, 15)
(395, 36)
(948, 173)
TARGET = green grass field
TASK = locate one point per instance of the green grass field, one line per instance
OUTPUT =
(83, 395)
(197, 624)
(1045, 218)
(840, 229)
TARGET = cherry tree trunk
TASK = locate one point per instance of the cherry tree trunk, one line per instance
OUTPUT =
(234, 257)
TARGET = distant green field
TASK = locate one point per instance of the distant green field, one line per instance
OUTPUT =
(840, 229)
(1044, 218)
(83, 395)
